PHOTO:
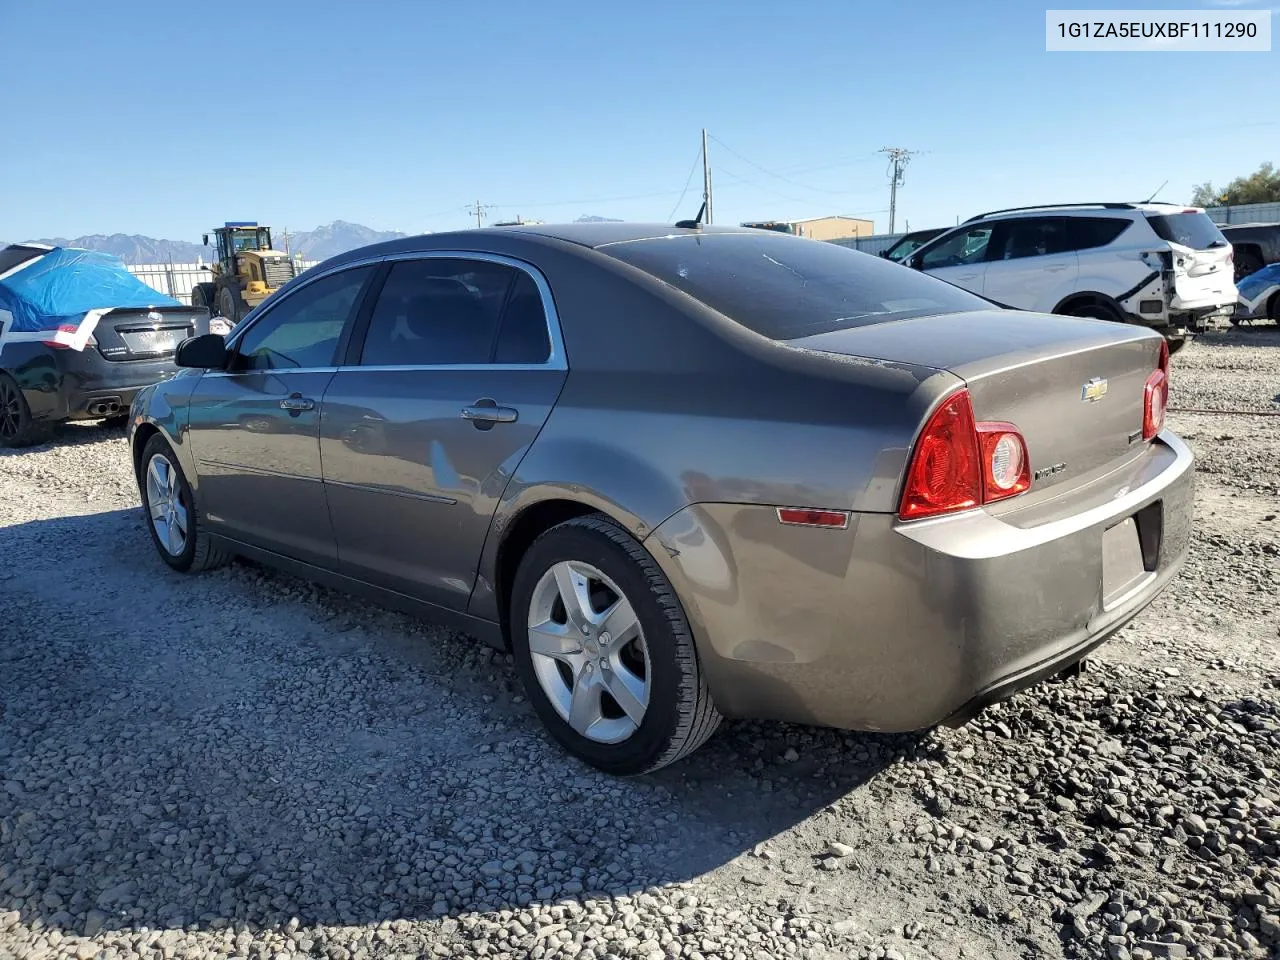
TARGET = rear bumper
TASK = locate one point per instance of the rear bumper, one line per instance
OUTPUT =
(88, 380)
(892, 626)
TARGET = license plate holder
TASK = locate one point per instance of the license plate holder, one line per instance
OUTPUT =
(151, 342)
(1123, 565)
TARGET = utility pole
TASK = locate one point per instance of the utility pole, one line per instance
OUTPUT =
(479, 209)
(898, 160)
(706, 177)
(287, 251)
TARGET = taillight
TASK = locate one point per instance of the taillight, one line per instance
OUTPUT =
(1006, 468)
(70, 329)
(1155, 396)
(959, 464)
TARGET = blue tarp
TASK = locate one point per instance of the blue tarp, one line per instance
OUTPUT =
(61, 287)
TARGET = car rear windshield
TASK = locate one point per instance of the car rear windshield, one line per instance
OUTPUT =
(1194, 230)
(786, 287)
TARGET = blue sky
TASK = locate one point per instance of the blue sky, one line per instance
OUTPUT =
(397, 115)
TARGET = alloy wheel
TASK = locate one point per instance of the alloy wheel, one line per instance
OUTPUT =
(588, 652)
(10, 410)
(167, 504)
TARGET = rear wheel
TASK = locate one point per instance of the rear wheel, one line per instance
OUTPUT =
(17, 427)
(1094, 311)
(1273, 307)
(171, 511)
(605, 652)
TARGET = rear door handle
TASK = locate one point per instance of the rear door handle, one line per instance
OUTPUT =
(484, 413)
(297, 402)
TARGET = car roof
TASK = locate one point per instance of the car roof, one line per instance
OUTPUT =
(599, 234)
(1100, 209)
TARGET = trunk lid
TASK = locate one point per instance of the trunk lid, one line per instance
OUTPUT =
(1073, 387)
(148, 333)
(1202, 278)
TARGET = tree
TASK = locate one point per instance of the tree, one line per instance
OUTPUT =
(1260, 187)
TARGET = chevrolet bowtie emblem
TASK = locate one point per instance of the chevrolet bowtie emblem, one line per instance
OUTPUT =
(1093, 390)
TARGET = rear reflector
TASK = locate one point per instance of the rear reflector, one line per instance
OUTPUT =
(959, 464)
(799, 517)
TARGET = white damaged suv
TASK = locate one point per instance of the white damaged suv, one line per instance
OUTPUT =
(1162, 265)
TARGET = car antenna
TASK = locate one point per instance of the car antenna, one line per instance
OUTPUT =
(1158, 189)
(696, 222)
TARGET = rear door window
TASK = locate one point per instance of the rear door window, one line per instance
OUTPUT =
(437, 311)
(1085, 233)
(1035, 237)
(786, 287)
(1190, 229)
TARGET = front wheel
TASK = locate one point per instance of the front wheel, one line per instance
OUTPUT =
(171, 511)
(230, 305)
(605, 652)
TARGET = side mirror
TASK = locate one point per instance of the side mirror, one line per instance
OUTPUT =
(885, 254)
(205, 352)
(205, 240)
(916, 262)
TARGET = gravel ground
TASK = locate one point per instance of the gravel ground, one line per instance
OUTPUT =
(242, 765)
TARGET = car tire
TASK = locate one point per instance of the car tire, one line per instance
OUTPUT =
(1246, 263)
(571, 679)
(18, 428)
(1094, 311)
(1273, 307)
(230, 305)
(163, 485)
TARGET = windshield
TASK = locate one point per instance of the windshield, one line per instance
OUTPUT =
(907, 246)
(785, 287)
(249, 240)
(1193, 229)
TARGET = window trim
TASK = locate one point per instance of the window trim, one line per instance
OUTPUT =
(556, 358)
(233, 341)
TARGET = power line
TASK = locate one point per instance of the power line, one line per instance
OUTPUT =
(764, 170)
(688, 180)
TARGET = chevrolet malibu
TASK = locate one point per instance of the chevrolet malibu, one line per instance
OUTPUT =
(684, 473)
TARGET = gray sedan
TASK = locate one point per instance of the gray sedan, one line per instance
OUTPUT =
(684, 473)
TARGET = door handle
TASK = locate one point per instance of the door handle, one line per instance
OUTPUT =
(297, 402)
(484, 413)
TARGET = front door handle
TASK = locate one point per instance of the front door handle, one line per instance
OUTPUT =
(297, 402)
(484, 413)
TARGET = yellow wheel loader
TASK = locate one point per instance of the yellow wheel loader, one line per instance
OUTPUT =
(247, 272)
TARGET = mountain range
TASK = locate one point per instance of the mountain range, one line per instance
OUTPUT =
(318, 244)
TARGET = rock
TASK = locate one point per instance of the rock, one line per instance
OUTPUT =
(1194, 825)
(839, 850)
(1064, 804)
(1158, 948)
(791, 755)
